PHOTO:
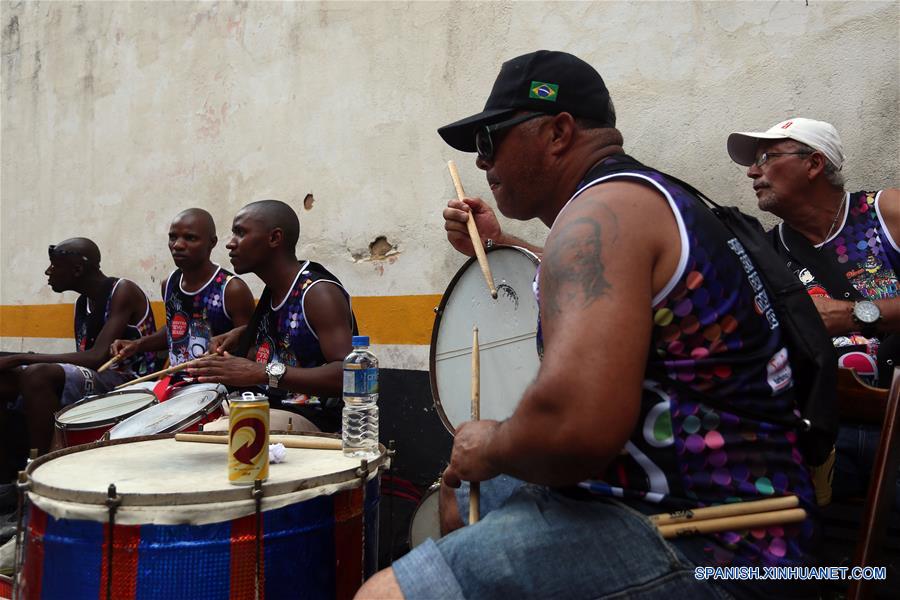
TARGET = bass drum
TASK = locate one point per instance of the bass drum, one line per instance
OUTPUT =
(507, 331)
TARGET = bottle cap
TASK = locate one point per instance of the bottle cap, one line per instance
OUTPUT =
(360, 340)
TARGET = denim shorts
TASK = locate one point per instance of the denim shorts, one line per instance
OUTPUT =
(856, 448)
(542, 544)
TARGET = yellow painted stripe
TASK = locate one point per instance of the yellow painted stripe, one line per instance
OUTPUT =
(385, 319)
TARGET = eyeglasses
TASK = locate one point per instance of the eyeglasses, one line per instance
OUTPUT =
(53, 251)
(765, 156)
(483, 143)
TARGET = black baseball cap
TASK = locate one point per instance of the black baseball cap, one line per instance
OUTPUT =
(544, 81)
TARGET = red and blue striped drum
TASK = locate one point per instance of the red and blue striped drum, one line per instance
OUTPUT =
(180, 530)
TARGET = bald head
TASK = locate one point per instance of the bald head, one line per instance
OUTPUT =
(272, 214)
(200, 219)
(79, 247)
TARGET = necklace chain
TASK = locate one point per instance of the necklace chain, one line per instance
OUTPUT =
(834, 221)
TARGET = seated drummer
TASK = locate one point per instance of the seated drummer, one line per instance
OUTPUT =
(202, 299)
(606, 434)
(301, 329)
(107, 308)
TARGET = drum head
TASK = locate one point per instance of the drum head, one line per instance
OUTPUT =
(105, 409)
(507, 328)
(169, 416)
(425, 522)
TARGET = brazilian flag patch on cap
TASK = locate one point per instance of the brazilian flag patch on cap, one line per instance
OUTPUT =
(543, 91)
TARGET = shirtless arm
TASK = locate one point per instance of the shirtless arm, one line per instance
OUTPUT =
(599, 271)
(129, 305)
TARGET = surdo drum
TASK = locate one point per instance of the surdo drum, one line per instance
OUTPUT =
(89, 419)
(425, 522)
(507, 328)
(155, 518)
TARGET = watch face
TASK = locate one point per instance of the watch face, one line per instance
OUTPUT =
(278, 369)
(866, 311)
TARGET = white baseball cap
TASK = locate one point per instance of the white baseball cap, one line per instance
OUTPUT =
(818, 135)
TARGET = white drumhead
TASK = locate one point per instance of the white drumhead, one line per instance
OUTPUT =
(101, 409)
(425, 521)
(168, 416)
(166, 481)
(507, 328)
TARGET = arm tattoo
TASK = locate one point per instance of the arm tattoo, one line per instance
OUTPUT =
(572, 275)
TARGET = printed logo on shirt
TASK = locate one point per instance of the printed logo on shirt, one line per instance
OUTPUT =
(264, 352)
(179, 326)
(778, 371)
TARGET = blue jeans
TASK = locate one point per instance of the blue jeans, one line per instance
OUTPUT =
(856, 446)
(542, 544)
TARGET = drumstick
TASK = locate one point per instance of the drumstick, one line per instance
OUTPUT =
(289, 441)
(473, 232)
(725, 510)
(752, 521)
(108, 364)
(169, 371)
(474, 487)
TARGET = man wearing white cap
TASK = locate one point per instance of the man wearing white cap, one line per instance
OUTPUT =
(845, 247)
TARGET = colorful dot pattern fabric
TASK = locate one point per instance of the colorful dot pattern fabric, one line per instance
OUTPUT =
(864, 253)
(193, 319)
(139, 364)
(717, 333)
(284, 335)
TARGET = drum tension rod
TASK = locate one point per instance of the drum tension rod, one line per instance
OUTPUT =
(257, 497)
(22, 485)
(112, 503)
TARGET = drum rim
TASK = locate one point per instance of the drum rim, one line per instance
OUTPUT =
(105, 422)
(434, 488)
(234, 494)
(439, 312)
(191, 419)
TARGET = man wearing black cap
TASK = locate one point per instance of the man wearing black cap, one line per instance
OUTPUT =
(656, 337)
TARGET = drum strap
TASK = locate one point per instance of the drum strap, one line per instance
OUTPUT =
(249, 335)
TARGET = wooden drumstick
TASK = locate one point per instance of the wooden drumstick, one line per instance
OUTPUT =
(473, 232)
(726, 510)
(752, 521)
(474, 487)
(169, 371)
(108, 364)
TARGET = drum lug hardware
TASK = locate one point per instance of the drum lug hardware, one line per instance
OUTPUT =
(257, 497)
(23, 485)
(112, 503)
(435, 310)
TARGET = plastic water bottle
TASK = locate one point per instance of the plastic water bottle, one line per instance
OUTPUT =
(359, 423)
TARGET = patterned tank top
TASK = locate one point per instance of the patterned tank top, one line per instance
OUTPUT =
(139, 364)
(193, 319)
(866, 254)
(715, 331)
(284, 335)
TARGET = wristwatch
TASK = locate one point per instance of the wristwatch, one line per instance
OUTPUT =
(866, 313)
(275, 371)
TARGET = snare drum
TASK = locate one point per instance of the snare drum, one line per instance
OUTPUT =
(182, 531)
(507, 328)
(87, 420)
(187, 410)
(426, 522)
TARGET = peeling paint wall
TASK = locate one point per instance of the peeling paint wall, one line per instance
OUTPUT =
(117, 115)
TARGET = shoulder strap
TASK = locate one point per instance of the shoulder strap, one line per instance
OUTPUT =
(822, 265)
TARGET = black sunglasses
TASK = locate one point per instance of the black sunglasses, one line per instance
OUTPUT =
(53, 251)
(483, 143)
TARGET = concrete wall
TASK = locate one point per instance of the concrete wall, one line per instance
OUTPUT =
(116, 115)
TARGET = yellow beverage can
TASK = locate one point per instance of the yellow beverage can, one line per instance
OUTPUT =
(248, 439)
